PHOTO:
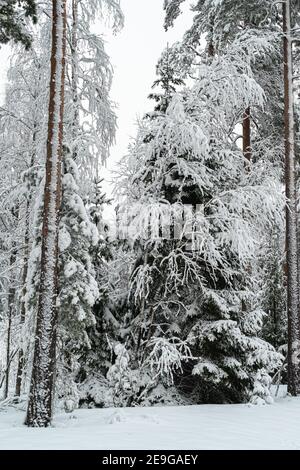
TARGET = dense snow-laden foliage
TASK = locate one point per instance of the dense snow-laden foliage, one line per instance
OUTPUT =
(221, 19)
(90, 126)
(89, 131)
(23, 127)
(250, 32)
(273, 287)
(78, 287)
(202, 285)
(14, 16)
(184, 300)
(91, 120)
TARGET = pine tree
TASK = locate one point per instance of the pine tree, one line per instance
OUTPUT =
(13, 14)
(274, 288)
(291, 211)
(86, 101)
(40, 407)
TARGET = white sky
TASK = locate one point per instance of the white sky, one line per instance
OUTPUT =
(134, 53)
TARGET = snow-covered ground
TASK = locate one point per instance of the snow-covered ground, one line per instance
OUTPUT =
(195, 427)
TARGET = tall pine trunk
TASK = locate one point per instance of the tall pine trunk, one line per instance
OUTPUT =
(74, 86)
(291, 212)
(41, 397)
(247, 151)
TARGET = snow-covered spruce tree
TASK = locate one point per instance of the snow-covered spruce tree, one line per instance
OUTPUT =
(131, 380)
(190, 292)
(78, 290)
(220, 21)
(274, 288)
(95, 358)
(13, 15)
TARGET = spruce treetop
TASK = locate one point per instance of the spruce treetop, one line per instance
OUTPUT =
(13, 15)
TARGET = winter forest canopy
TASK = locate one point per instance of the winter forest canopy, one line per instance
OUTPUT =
(190, 293)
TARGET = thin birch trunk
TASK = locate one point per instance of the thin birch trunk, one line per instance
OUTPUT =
(21, 358)
(21, 355)
(10, 311)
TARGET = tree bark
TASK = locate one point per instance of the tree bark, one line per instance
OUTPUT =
(10, 311)
(247, 137)
(41, 397)
(74, 59)
(291, 212)
(21, 355)
(23, 304)
(247, 151)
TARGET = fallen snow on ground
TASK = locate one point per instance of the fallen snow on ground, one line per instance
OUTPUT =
(194, 427)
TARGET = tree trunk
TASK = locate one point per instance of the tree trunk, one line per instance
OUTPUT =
(211, 47)
(74, 59)
(248, 156)
(291, 212)
(21, 356)
(247, 137)
(247, 151)
(23, 304)
(40, 406)
(10, 310)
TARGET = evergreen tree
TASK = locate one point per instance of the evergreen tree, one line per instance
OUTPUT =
(274, 288)
(96, 357)
(78, 290)
(257, 25)
(13, 14)
(89, 127)
(189, 292)
(40, 406)
(89, 132)
(291, 208)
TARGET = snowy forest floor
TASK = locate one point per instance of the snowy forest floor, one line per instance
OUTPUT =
(194, 427)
